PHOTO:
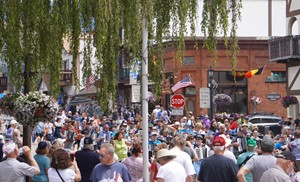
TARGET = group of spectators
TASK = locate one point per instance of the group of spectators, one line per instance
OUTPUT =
(82, 146)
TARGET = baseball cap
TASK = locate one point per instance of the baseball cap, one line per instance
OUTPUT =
(199, 136)
(287, 155)
(177, 123)
(267, 144)
(88, 140)
(42, 145)
(13, 122)
(218, 141)
(9, 147)
(251, 142)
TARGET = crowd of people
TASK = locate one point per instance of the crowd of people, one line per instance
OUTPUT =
(85, 146)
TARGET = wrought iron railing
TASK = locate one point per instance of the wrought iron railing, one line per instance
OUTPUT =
(283, 48)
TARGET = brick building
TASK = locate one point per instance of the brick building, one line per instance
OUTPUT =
(253, 54)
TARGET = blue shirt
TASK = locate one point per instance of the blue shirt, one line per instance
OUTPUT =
(111, 172)
(44, 163)
(279, 145)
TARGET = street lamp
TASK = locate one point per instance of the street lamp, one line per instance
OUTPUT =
(210, 77)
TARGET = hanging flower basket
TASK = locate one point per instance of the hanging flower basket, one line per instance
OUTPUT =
(7, 104)
(30, 108)
(222, 100)
(288, 100)
(40, 112)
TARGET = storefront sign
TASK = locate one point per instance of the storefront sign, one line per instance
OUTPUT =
(273, 96)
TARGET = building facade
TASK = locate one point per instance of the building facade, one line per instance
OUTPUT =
(286, 49)
(254, 53)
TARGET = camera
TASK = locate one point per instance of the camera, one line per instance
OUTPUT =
(21, 151)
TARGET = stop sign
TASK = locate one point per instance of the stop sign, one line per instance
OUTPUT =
(177, 101)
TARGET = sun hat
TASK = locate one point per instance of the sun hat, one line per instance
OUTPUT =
(227, 140)
(164, 153)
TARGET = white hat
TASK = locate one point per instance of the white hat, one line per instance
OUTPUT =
(177, 123)
(227, 140)
(164, 153)
(9, 147)
(13, 122)
(153, 133)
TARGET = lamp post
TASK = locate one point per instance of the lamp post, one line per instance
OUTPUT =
(210, 77)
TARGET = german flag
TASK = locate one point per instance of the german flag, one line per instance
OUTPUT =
(258, 71)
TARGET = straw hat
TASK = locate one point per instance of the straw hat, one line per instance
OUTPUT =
(164, 153)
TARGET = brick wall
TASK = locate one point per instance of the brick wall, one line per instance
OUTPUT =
(253, 53)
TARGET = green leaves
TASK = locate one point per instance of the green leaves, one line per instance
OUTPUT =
(38, 29)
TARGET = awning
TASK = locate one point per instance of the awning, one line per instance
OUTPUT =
(81, 101)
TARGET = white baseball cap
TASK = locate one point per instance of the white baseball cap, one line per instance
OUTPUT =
(13, 122)
(9, 147)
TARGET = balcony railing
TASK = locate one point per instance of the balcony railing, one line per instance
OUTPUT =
(66, 77)
(3, 84)
(284, 48)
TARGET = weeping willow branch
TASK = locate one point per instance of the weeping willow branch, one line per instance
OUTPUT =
(40, 27)
(215, 23)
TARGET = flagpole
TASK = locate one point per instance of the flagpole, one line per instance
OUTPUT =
(144, 99)
(192, 81)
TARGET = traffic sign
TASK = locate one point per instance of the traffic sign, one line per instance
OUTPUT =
(177, 101)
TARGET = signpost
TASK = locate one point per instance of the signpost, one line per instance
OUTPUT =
(204, 98)
(177, 101)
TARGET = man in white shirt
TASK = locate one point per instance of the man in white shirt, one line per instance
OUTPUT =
(183, 158)
(13, 170)
(170, 170)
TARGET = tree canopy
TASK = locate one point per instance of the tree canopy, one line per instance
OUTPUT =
(33, 31)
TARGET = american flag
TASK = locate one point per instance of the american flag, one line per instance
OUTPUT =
(90, 81)
(182, 83)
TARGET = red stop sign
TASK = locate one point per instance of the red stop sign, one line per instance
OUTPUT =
(177, 101)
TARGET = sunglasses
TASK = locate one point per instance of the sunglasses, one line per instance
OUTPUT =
(102, 155)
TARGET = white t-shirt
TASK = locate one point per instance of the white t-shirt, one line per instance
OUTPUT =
(172, 172)
(185, 160)
(67, 174)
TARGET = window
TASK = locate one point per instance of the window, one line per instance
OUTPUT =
(190, 91)
(66, 65)
(188, 60)
(276, 76)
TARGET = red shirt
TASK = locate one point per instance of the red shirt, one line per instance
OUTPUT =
(233, 125)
